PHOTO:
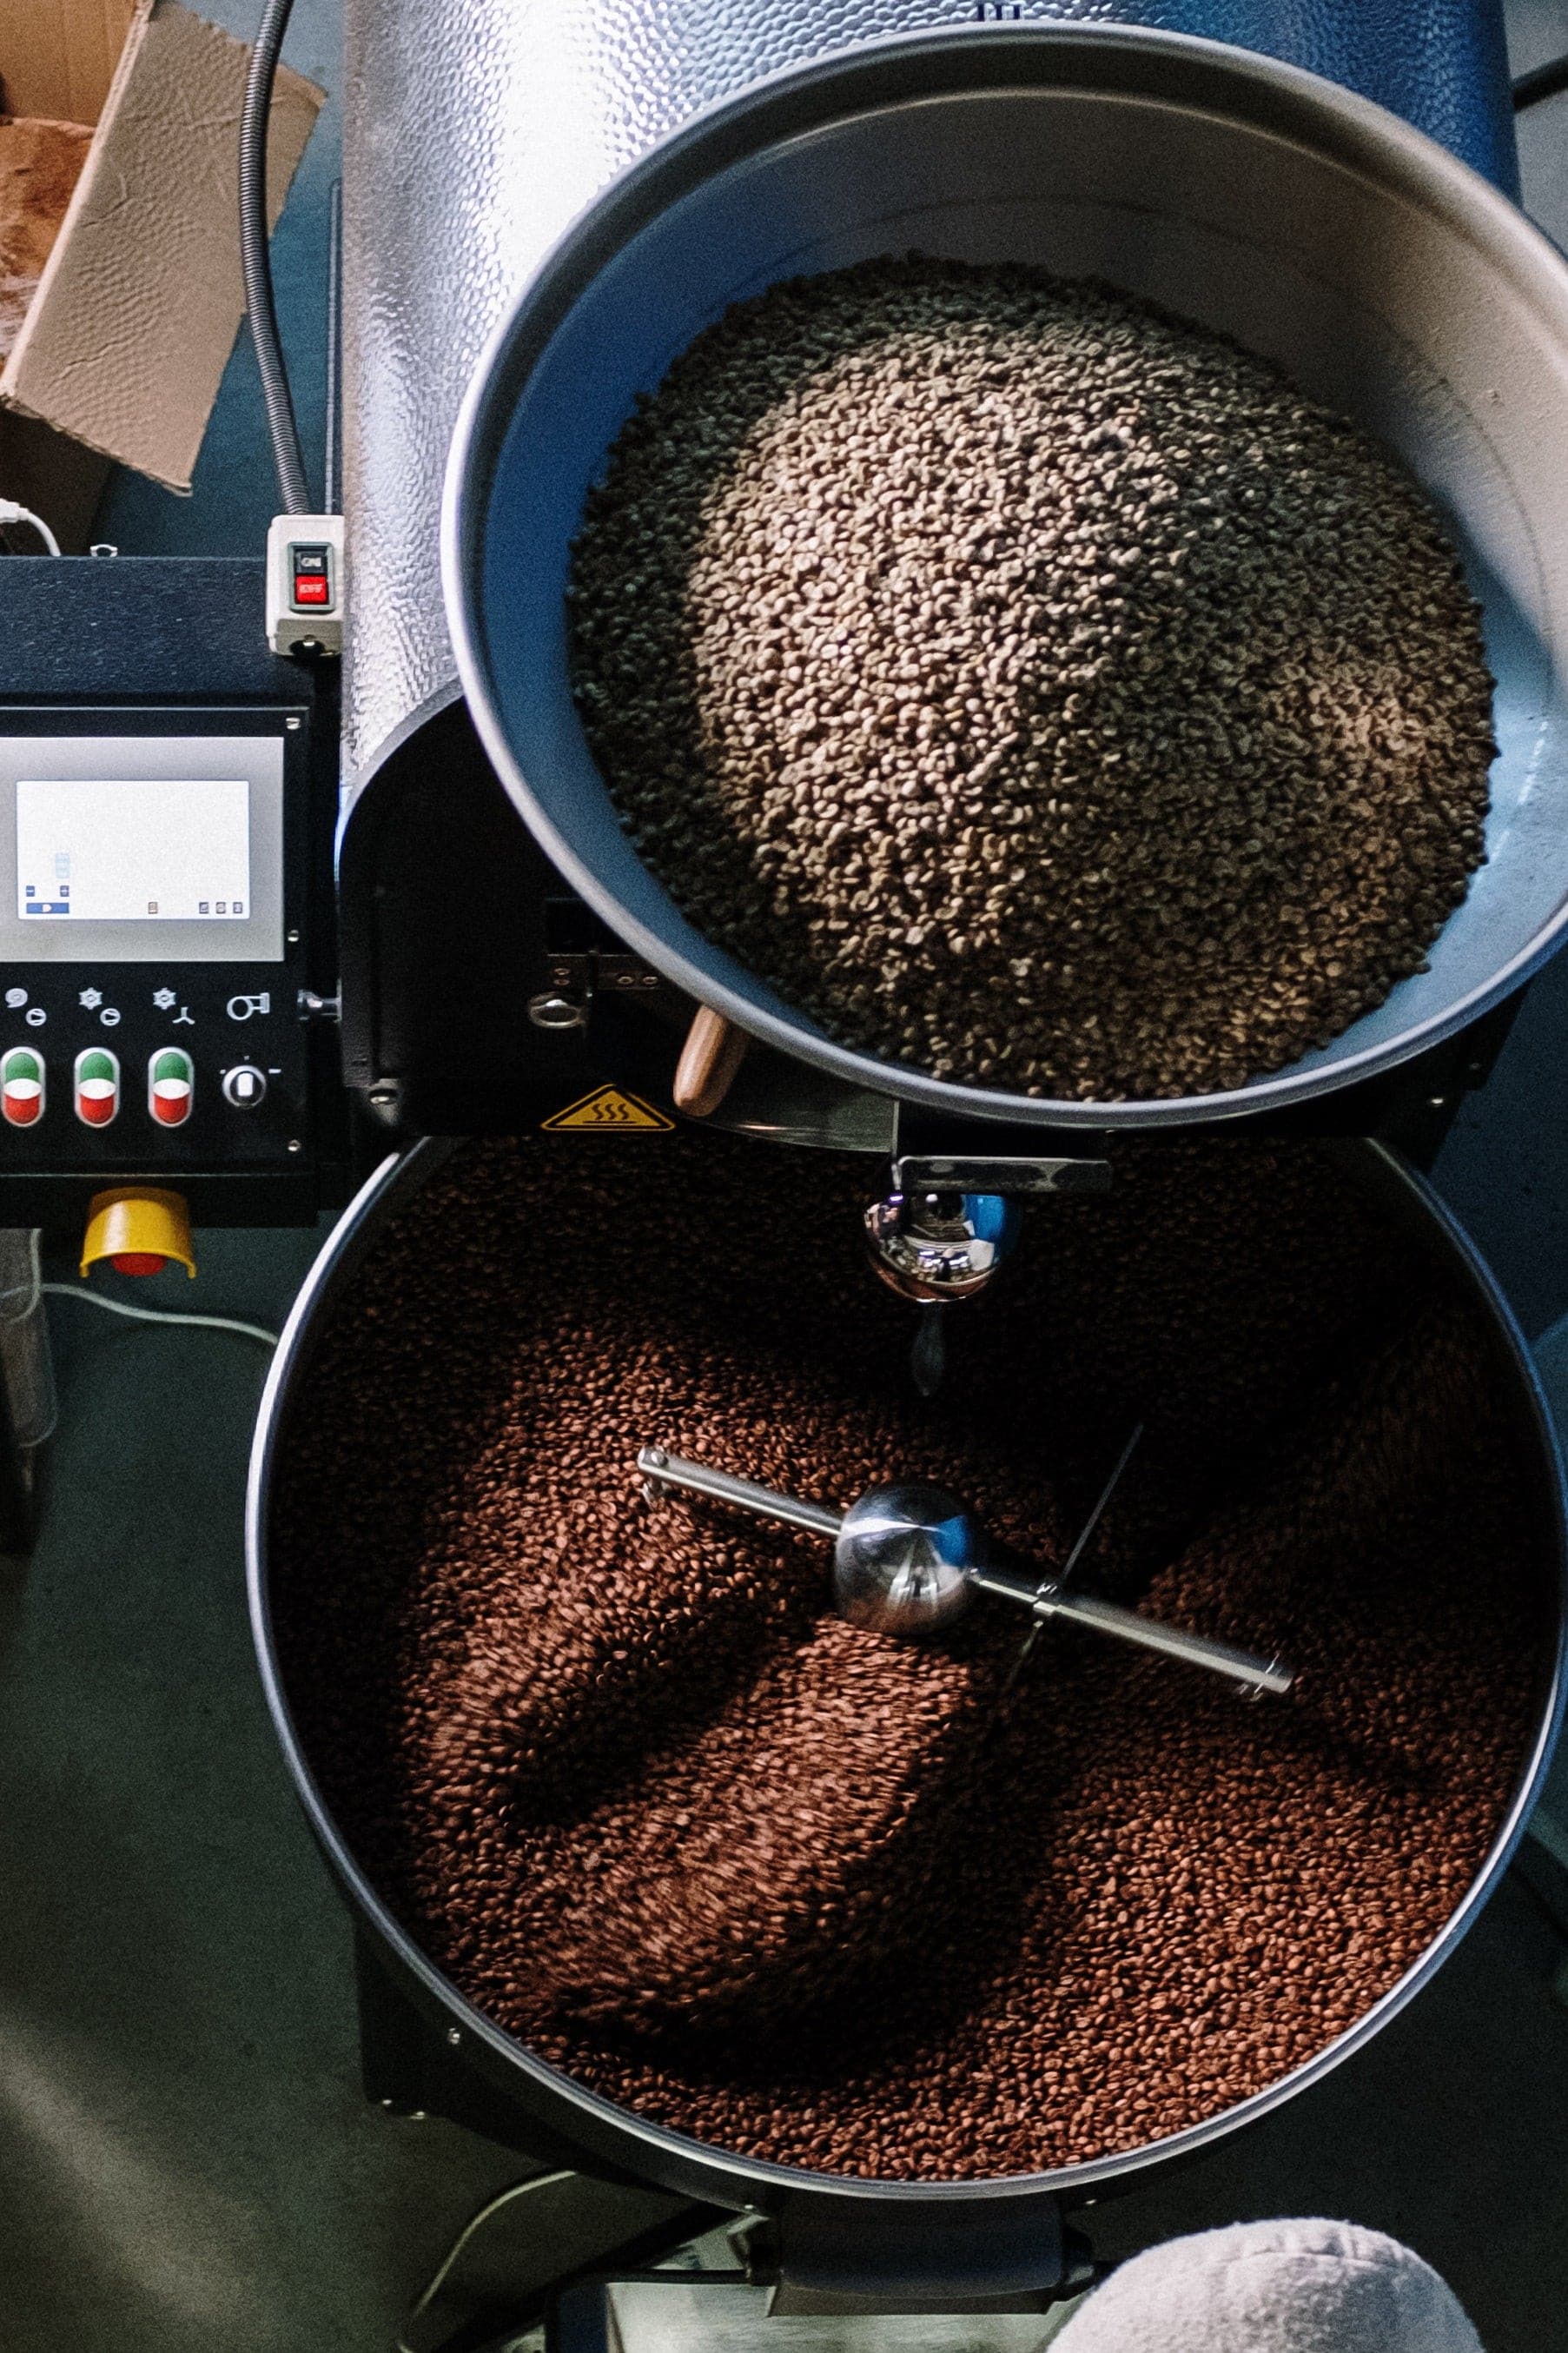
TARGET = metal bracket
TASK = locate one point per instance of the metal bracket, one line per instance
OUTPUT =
(925, 2256)
(575, 978)
(993, 1173)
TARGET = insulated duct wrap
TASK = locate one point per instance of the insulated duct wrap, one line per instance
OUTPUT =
(475, 130)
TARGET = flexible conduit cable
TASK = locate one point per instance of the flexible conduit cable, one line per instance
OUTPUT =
(256, 266)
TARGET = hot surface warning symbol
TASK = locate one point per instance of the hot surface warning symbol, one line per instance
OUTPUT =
(610, 1112)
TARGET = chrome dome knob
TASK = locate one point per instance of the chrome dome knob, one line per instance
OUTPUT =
(932, 1247)
(902, 1560)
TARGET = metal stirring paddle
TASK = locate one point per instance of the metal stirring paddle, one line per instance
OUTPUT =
(908, 1560)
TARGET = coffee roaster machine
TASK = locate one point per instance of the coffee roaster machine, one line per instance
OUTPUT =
(442, 931)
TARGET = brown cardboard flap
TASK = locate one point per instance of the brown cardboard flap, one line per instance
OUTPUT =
(132, 325)
(57, 58)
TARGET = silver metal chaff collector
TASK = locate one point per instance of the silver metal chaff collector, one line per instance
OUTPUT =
(908, 1560)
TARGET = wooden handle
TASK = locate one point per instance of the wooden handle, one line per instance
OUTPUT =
(713, 1052)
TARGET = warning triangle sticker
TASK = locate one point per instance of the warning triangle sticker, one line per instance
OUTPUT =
(610, 1112)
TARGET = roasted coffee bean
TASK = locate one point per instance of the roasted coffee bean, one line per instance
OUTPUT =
(1031, 686)
(819, 1897)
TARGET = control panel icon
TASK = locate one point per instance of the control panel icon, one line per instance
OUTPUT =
(240, 1008)
(243, 1086)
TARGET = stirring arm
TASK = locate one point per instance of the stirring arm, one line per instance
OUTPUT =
(670, 1471)
(1013, 1580)
(1020, 1582)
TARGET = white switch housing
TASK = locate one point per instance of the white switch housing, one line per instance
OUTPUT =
(305, 584)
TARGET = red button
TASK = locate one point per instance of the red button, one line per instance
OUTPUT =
(171, 1086)
(97, 1086)
(310, 588)
(22, 1086)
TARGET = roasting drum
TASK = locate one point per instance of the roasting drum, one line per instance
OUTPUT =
(995, 2232)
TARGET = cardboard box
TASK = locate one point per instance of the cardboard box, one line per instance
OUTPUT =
(124, 344)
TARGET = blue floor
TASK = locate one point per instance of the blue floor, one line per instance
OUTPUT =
(186, 2162)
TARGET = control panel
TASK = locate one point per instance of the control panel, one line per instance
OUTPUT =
(152, 919)
(156, 1070)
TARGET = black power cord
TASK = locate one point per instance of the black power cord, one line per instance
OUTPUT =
(256, 265)
(331, 491)
(1542, 81)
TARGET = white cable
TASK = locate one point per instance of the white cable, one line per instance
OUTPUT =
(10, 511)
(471, 2230)
(160, 1314)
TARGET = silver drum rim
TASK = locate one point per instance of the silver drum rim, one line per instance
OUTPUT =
(688, 2167)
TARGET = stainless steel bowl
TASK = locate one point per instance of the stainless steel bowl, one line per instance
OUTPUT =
(1391, 281)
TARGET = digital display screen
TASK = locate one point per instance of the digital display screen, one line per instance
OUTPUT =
(140, 846)
(132, 850)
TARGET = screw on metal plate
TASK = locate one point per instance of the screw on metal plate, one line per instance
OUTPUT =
(651, 1461)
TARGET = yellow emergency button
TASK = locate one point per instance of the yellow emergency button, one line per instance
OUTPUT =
(139, 1228)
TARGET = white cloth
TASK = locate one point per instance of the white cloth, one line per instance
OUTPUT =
(1273, 2287)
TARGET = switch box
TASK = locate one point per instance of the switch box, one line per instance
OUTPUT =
(305, 584)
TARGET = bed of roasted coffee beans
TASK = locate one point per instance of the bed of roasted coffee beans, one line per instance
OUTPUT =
(817, 1896)
(1032, 687)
